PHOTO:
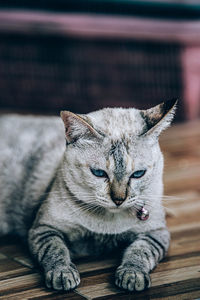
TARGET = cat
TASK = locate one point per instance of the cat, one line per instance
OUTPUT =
(81, 189)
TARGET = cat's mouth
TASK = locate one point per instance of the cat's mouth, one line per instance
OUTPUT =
(142, 213)
(115, 209)
(118, 209)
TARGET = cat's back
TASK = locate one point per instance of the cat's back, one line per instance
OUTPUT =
(24, 136)
(31, 148)
(26, 129)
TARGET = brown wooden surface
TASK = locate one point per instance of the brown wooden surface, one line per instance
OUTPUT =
(176, 277)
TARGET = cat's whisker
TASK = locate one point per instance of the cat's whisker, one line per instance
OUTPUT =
(85, 208)
(133, 210)
(59, 193)
(78, 199)
(152, 205)
(164, 197)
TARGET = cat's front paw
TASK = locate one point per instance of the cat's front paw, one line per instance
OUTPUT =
(131, 278)
(63, 277)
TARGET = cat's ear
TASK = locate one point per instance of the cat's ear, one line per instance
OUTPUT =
(76, 127)
(159, 117)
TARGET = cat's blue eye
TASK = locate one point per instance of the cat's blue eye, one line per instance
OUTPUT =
(138, 174)
(99, 173)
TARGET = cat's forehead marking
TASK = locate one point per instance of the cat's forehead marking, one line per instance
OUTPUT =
(118, 151)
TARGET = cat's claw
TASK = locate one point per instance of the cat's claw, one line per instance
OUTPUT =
(132, 279)
(63, 278)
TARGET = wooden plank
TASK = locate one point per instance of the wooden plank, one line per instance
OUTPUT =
(97, 265)
(43, 294)
(61, 296)
(179, 132)
(98, 290)
(175, 290)
(184, 296)
(39, 293)
(178, 263)
(16, 251)
(31, 287)
(95, 288)
(180, 274)
(10, 269)
(182, 179)
(20, 283)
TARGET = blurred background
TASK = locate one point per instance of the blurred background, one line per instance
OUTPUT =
(83, 55)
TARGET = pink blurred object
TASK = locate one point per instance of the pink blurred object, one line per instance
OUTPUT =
(143, 214)
(191, 81)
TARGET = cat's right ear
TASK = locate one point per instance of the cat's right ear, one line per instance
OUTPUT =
(159, 117)
(77, 128)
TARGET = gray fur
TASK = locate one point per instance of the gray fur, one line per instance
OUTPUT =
(49, 195)
(117, 151)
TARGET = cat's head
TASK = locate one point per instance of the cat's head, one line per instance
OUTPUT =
(113, 159)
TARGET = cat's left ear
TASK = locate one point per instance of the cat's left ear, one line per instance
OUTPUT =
(77, 128)
(159, 117)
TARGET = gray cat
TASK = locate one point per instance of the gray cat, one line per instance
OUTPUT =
(94, 188)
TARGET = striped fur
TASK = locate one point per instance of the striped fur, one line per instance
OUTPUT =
(50, 196)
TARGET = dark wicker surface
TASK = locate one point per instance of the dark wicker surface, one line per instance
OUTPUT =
(44, 74)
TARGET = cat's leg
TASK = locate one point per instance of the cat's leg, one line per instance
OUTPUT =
(49, 249)
(140, 258)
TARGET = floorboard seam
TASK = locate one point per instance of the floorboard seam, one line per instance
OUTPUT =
(80, 294)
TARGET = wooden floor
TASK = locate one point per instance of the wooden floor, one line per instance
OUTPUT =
(177, 277)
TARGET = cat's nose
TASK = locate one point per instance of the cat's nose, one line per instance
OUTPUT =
(118, 202)
(118, 196)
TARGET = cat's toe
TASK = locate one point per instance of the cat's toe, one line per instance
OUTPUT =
(63, 278)
(132, 279)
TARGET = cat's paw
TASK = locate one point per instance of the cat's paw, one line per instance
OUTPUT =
(131, 279)
(63, 278)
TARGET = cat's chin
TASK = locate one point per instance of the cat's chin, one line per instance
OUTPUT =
(115, 210)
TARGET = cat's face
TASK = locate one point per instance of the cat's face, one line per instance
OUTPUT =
(113, 157)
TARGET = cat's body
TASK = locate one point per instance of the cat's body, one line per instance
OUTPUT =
(82, 199)
(30, 151)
